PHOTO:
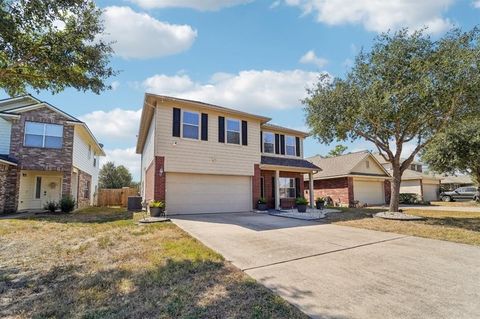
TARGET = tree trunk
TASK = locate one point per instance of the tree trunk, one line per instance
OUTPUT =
(395, 188)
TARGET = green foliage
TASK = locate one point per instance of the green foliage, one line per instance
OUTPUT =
(262, 200)
(51, 206)
(408, 198)
(67, 204)
(301, 201)
(337, 151)
(51, 45)
(320, 200)
(111, 176)
(157, 204)
(456, 150)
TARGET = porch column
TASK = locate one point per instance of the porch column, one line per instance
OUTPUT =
(310, 189)
(277, 189)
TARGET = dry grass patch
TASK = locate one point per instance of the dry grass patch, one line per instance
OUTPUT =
(456, 204)
(98, 263)
(460, 227)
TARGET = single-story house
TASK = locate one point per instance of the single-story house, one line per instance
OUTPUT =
(351, 178)
(452, 182)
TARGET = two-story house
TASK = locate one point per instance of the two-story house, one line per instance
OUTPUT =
(45, 154)
(204, 158)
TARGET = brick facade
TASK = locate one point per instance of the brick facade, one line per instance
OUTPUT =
(269, 191)
(339, 189)
(84, 190)
(256, 193)
(160, 179)
(12, 189)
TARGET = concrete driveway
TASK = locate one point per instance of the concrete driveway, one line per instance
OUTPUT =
(331, 271)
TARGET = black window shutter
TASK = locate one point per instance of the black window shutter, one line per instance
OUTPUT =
(297, 187)
(176, 122)
(244, 133)
(277, 144)
(273, 187)
(221, 129)
(297, 143)
(204, 127)
(282, 144)
(261, 141)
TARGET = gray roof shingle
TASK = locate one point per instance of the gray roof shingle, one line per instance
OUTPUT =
(290, 162)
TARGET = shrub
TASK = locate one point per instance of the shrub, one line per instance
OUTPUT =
(301, 201)
(320, 200)
(157, 204)
(51, 206)
(262, 200)
(408, 198)
(67, 204)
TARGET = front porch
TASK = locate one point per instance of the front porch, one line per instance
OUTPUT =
(37, 187)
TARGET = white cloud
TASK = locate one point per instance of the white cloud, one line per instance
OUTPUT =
(125, 157)
(138, 35)
(378, 15)
(115, 85)
(202, 5)
(117, 125)
(311, 58)
(476, 4)
(247, 90)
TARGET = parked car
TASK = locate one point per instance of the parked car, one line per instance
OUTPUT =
(461, 193)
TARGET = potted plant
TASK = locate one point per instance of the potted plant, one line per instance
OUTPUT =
(156, 208)
(320, 203)
(262, 204)
(301, 204)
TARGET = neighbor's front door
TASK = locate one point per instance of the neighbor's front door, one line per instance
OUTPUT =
(51, 189)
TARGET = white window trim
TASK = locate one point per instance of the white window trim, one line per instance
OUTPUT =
(239, 131)
(44, 135)
(294, 188)
(294, 145)
(263, 142)
(198, 126)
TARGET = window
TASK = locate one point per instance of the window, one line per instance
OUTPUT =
(38, 186)
(287, 187)
(290, 145)
(190, 125)
(268, 142)
(43, 135)
(87, 190)
(233, 131)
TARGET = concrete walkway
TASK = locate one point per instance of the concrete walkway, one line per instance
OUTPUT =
(331, 271)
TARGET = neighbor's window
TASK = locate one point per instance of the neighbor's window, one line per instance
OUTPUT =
(290, 145)
(233, 131)
(43, 135)
(268, 142)
(190, 125)
(287, 187)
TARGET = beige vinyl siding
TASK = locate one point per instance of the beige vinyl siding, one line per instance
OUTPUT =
(205, 157)
(81, 160)
(368, 192)
(411, 187)
(148, 153)
(5, 134)
(26, 198)
(373, 167)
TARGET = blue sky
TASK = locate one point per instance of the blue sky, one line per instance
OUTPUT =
(258, 56)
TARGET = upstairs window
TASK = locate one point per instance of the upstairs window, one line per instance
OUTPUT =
(268, 142)
(190, 125)
(290, 148)
(233, 131)
(43, 135)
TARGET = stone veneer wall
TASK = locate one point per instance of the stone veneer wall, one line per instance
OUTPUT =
(3, 182)
(82, 200)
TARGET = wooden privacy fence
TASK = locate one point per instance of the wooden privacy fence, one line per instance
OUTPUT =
(115, 197)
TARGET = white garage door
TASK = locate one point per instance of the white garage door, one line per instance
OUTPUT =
(197, 193)
(430, 192)
(368, 192)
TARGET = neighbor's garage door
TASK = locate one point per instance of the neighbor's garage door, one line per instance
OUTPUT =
(197, 193)
(430, 192)
(367, 192)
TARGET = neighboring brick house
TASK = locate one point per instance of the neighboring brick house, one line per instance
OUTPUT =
(45, 154)
(203, 158)
(350, 178)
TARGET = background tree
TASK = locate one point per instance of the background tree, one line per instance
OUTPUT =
(51, 45)
(405, 90)
(456, 150)
(337, 151)
(112, 176)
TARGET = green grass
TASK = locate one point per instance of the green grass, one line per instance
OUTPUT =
(98, 263)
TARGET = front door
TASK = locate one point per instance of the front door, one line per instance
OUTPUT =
(50, 189)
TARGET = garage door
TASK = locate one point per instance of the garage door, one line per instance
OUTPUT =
(198, 193)
(368, 192)
(430, 192)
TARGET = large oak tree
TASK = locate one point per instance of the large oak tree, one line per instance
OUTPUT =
(406, 89)
(51, 45)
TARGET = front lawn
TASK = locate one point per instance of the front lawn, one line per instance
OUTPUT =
(460, 227)
(97, 263)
